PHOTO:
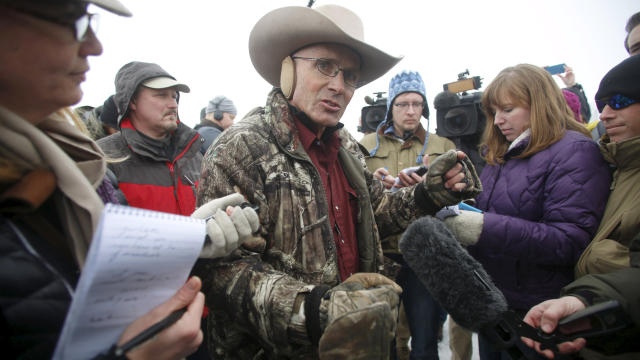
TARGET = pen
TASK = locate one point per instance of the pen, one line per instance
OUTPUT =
(464, 206)
(150, 332)
(383, 175)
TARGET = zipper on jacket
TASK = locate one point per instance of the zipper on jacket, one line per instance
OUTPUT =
(175, 184)
(193, 186)
(177, 181)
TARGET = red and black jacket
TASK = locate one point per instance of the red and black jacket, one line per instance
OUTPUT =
(150, 179)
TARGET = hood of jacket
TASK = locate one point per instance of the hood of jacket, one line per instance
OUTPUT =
(128, 78)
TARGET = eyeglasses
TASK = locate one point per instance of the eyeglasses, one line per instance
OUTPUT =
(80, 26)
(616, 102)
(404, 106)
(331, 68)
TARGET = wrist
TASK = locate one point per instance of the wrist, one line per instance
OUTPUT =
(313, 322)
(423, 200)
(585, 296)
(297, 329)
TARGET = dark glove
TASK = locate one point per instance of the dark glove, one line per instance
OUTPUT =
(434, 181)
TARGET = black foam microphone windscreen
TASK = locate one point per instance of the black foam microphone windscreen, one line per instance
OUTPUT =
(455, 279)
(445, 100)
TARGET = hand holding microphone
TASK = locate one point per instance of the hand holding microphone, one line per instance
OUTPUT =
(464, 289)
(454, 278)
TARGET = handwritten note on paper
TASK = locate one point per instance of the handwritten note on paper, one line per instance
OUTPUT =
(138, 259)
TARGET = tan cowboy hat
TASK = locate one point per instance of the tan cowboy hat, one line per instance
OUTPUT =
(281, 32)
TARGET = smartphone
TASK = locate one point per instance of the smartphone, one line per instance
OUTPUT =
(555, 69)
(421, 170)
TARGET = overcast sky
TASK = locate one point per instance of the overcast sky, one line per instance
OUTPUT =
(205, 44)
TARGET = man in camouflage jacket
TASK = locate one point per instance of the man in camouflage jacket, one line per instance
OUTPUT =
(280, 296)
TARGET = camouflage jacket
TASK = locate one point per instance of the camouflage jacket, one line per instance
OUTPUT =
(252, 292)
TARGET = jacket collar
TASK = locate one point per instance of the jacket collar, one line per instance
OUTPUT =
(181, 138)
(209, 123)
(624, 154)
(420, 134)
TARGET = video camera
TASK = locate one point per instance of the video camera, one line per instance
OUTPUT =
(459, 113)
(460, 117)
(373, 114)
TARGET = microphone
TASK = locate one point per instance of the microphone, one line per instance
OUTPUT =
(464, 289)
(369, 100)
(454, 278)
(445, 100)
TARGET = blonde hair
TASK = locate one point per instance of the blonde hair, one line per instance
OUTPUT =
(533, 88)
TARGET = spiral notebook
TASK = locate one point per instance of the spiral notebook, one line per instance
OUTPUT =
(137, 260)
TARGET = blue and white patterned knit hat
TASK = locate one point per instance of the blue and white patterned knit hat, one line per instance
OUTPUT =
(406, 81)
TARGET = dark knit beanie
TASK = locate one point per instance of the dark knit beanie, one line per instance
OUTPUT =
(623, 79)
(109, 115)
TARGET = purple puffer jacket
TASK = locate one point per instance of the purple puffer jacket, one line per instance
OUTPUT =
(540, 214)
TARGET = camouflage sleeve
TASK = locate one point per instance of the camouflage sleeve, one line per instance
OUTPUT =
(243, 286)
(393, 211)
(253, 297)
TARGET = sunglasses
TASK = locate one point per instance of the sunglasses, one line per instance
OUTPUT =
(79, 26)
(84, 22)
(616, 102)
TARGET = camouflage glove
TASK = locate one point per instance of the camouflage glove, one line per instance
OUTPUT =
(369, 280)
(434, 180)
(352, 321)
(466, 227)
(225, 233)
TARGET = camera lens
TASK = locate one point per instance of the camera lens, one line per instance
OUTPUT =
(457, 121)
(374, 117)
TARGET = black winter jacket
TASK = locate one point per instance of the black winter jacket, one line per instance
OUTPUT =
(37, 281)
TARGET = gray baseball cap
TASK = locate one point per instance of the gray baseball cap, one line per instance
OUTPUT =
(137, 73)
